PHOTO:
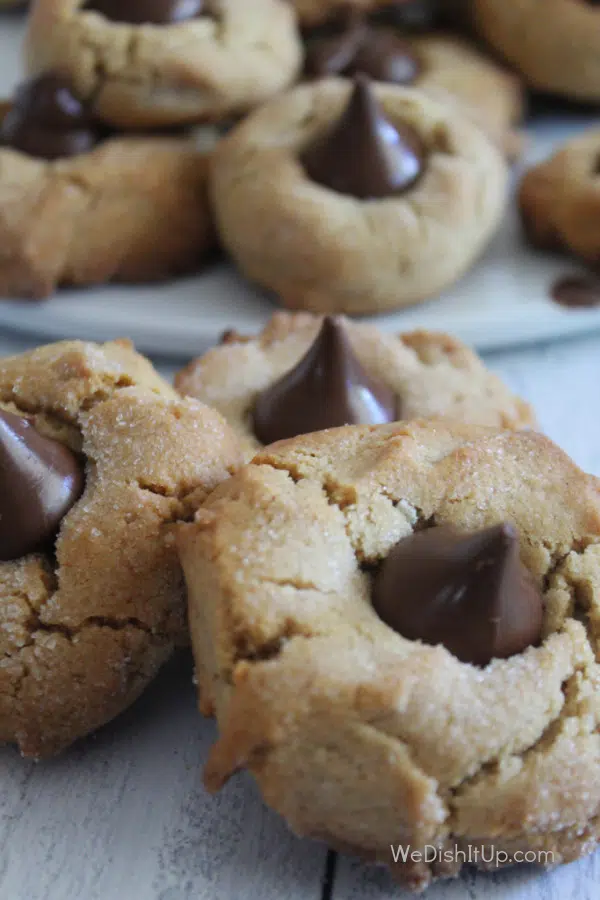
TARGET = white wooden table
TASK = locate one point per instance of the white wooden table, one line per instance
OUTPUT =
(123, 815)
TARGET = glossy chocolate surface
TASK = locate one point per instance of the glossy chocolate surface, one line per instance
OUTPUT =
(148, 12)
(363, 154)
(467, 591)
(46, 120)
(40, 480)
(329, 387)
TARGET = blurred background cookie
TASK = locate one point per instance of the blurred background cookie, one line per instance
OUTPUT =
(559, 199)
(356, 198)
(553, 44)
(167, 63)
(79, 205)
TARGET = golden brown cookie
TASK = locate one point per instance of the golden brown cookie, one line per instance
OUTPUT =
(86, 623)
(560, 201)
(364, 737)
(225, 61)
(135, 209)
(325, 250)
(430, 374)
(454, 71)
(553, 44)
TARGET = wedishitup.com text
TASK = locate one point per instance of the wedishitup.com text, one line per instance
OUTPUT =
(486, 855)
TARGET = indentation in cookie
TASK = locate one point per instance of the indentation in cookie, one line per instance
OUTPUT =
(467, 591)
(48, 121)
(40, 480)
(363, 154)
(149, 12)
(328, 387)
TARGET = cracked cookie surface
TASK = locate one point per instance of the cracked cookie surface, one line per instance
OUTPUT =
(324, 251)
(432, 374)
(132, 210)
(554, 45)
(203, 69)
(354, 733)
(560, 201)
(84, 629)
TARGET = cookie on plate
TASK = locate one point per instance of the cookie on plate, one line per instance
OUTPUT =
(98, 456)
(560, 201)
(303, 373)
(554, 46)
(167, 63)
(80, 206)
(397, 628)
(356, 197)
(445, 67)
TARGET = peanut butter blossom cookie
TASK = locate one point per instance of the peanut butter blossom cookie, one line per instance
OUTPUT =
(79, 205)
(397, 628)
(304, 373)
(554, 45)
(356, 198)
(165, 62)
(98, 456)
(560, 202)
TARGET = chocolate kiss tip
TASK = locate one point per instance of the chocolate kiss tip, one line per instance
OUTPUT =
(363, 154)
(328, 388)
(467, 591)
(40, 480)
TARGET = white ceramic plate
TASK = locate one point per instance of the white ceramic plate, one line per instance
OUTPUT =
(503, 300)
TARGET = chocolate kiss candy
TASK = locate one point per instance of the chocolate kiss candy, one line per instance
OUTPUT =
(376, 52)
(385, 57)
(40, 480)
(148, 12)
(47, 120)
(364, 155)
(467, 591)
(333, 54)
(328, 387)
(412, 15)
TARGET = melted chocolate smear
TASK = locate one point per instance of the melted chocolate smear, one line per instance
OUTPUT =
(148, 12)
(40, 480)
(329, 387)
(363, 154)
(467, 591)
(576, 291)
(48, 121)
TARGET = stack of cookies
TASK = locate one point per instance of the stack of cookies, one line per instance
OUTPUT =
(390, 580)
(350, 156)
